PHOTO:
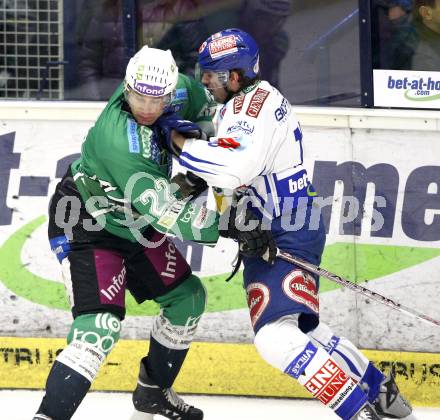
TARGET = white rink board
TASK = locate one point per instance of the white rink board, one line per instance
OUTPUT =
(353, 136)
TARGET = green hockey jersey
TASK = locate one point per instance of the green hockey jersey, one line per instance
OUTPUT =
(195, 103)
(123, 175)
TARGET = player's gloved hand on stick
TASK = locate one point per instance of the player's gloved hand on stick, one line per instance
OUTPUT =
(253, 241)
(170, 121)
(189, 184)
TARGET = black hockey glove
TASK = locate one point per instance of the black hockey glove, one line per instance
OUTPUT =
(170, 121)
(190, 185)
(252, 242)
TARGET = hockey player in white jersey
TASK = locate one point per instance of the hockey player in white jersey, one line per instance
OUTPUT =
(259, 152)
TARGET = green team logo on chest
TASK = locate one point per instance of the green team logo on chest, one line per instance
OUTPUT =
(146, 135)
(150, 147)
(141, 135)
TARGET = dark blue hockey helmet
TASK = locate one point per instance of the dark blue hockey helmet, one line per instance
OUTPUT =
(230, 49)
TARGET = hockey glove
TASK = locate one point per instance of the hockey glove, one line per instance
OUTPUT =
(189, 185)
(252, 242)
(170, 121)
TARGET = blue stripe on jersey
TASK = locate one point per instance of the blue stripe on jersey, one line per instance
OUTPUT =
(298, 137)
(276, 198)
(258, 196)
(193, 168)
(283, 194)
(196, 159)
(260, 209)
(271, 197)
(266, 182)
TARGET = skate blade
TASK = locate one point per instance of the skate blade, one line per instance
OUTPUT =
(139, 415)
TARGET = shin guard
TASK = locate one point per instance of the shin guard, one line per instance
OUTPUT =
(173, 330)
(91, 338)
(321, 375)
(349, 358)
(283, 345)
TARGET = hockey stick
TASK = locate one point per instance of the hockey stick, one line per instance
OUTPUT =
(355, 287)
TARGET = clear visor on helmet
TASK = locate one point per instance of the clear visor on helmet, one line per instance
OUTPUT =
(211, 79)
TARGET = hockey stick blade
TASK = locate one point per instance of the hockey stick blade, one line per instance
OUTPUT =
(355, 287)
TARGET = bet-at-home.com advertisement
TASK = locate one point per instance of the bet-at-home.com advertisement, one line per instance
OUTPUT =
(407, 89)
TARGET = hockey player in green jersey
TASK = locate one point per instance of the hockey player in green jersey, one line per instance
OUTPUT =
(108, 224)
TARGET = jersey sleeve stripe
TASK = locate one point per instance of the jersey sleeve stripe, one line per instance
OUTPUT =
(195, 159)
(193, 168)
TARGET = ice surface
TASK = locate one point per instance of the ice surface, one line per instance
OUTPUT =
(21, 405)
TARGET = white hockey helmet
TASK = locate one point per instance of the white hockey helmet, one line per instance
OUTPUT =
(152, 72)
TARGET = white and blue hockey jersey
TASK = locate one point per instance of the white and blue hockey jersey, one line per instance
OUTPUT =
(258, 150)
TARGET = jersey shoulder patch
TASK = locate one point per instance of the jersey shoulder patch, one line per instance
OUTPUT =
(256, 102)
(237, 105)
(181, 94)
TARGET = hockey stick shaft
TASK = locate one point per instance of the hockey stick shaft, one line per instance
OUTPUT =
(355, 287)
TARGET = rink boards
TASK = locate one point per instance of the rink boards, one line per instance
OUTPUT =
(210, 368)
(359, 153)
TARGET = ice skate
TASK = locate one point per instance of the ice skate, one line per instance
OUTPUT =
(390, 403)
(366, 413)
(41, 417)
(150, 398)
